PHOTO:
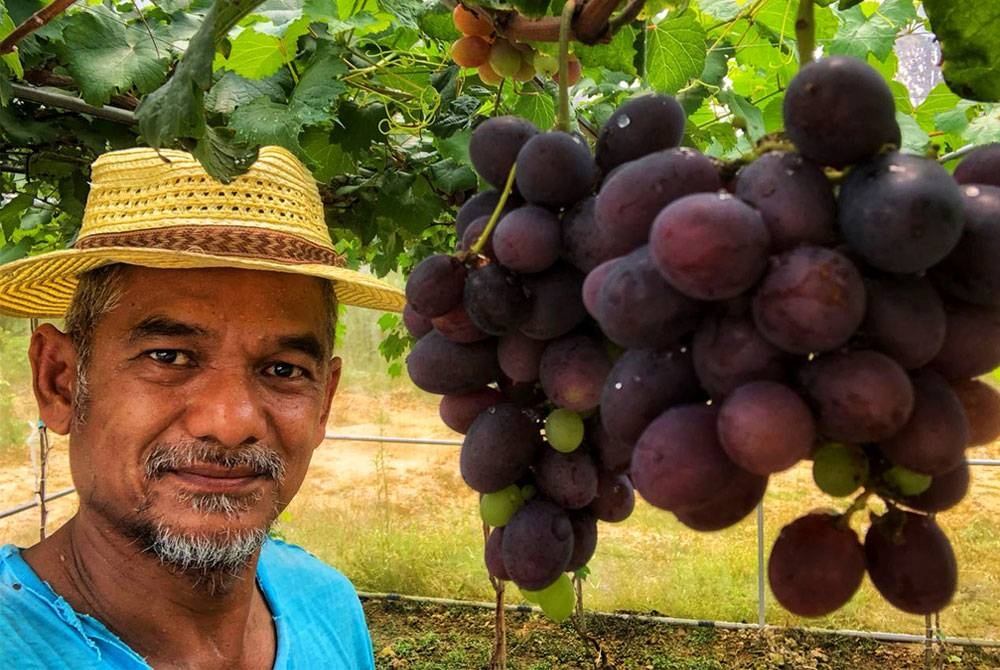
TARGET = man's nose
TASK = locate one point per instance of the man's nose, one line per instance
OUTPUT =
(226, 407)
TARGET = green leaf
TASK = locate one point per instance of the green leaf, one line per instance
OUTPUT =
(254, 55)
(16, 252)
(105, 57)
(452, 177)
(939, 99)
(860, 34)
(10, 214)
(455, 147)
(722, 10)
(12, 60)
(970, 51)
(319, 86)
(174, 111)
(437, 24)
(742, 108)
(264, 121)
(618, 55)
(232, 90)
(326, 160)
(915, 140)
(675, 53)
(985, 128)
(222, 155)
(325, 11)
(539, 108)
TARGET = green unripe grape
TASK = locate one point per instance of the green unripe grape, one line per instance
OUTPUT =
(839, 469)
(528, 491)
(505, 58)
(546, 64)
(557, 599)
(906, 481)
(564, 430)
(498, 507)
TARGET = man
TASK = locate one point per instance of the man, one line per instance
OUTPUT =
(194, 380)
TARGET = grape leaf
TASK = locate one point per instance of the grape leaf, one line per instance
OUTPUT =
(743, 109)
(915, 140)
(320, 85)
(232, 90)
(11, 60)
(452, 177)
(222, 155)
(326, 160)
(723, 10)
(264, 121)
(985, 128)
(175, 111)
(618, 55)
(970, 51)
(105, 57)
(860, 34)
(253, 55)
(675, 53)
(539, 108)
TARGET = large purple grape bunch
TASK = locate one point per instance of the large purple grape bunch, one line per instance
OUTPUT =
(639, 318)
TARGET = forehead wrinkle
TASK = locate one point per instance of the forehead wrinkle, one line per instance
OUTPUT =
(158, 325)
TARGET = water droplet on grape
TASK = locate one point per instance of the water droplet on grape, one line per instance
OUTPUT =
(624, 121)
(618, 386)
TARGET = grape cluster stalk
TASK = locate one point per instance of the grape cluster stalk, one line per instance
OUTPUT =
(636, 318)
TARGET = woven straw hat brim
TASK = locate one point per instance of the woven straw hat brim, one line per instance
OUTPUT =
(42, 286)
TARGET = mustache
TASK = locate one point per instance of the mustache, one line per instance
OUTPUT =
(166, 457)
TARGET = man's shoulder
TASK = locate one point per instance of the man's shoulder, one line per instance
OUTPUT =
(280, 560)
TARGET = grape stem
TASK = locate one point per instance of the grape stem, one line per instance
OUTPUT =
(565, 30)
(860, 503)
(495, 216)
(498, 661)
(805, 31)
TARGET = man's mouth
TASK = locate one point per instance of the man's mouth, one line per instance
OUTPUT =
(212, 478)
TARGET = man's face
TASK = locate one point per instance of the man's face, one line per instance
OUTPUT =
(207, 392)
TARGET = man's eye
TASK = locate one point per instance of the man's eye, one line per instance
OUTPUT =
(285, 370)
(170, 357)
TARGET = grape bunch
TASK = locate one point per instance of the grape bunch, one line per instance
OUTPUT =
(495, 57)
(637, 318)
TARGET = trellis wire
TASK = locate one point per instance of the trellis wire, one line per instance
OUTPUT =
(761, 624)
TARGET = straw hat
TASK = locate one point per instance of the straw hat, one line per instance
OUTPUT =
(159, 208)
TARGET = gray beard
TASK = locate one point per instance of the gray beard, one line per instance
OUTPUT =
(214, 561)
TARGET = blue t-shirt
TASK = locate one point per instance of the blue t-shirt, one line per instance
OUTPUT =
(317, 616)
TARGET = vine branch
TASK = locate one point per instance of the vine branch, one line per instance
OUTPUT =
(592, 23)
(805, 31)
(33, 23)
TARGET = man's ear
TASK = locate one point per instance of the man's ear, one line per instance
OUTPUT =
(331, 389)
(53, 372)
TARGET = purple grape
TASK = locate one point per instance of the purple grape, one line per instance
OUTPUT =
(811, 300)
(678, 461)
(860, 396)
(794, 198)
(499, 447)
(900, 213)
(634, 194)
(435, 285)
(728, 351)
(636, 307)
(639, 127)
(709, 246)
(839, 111)
(641, 385)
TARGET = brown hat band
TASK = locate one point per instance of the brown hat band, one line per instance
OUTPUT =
(245, 241)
